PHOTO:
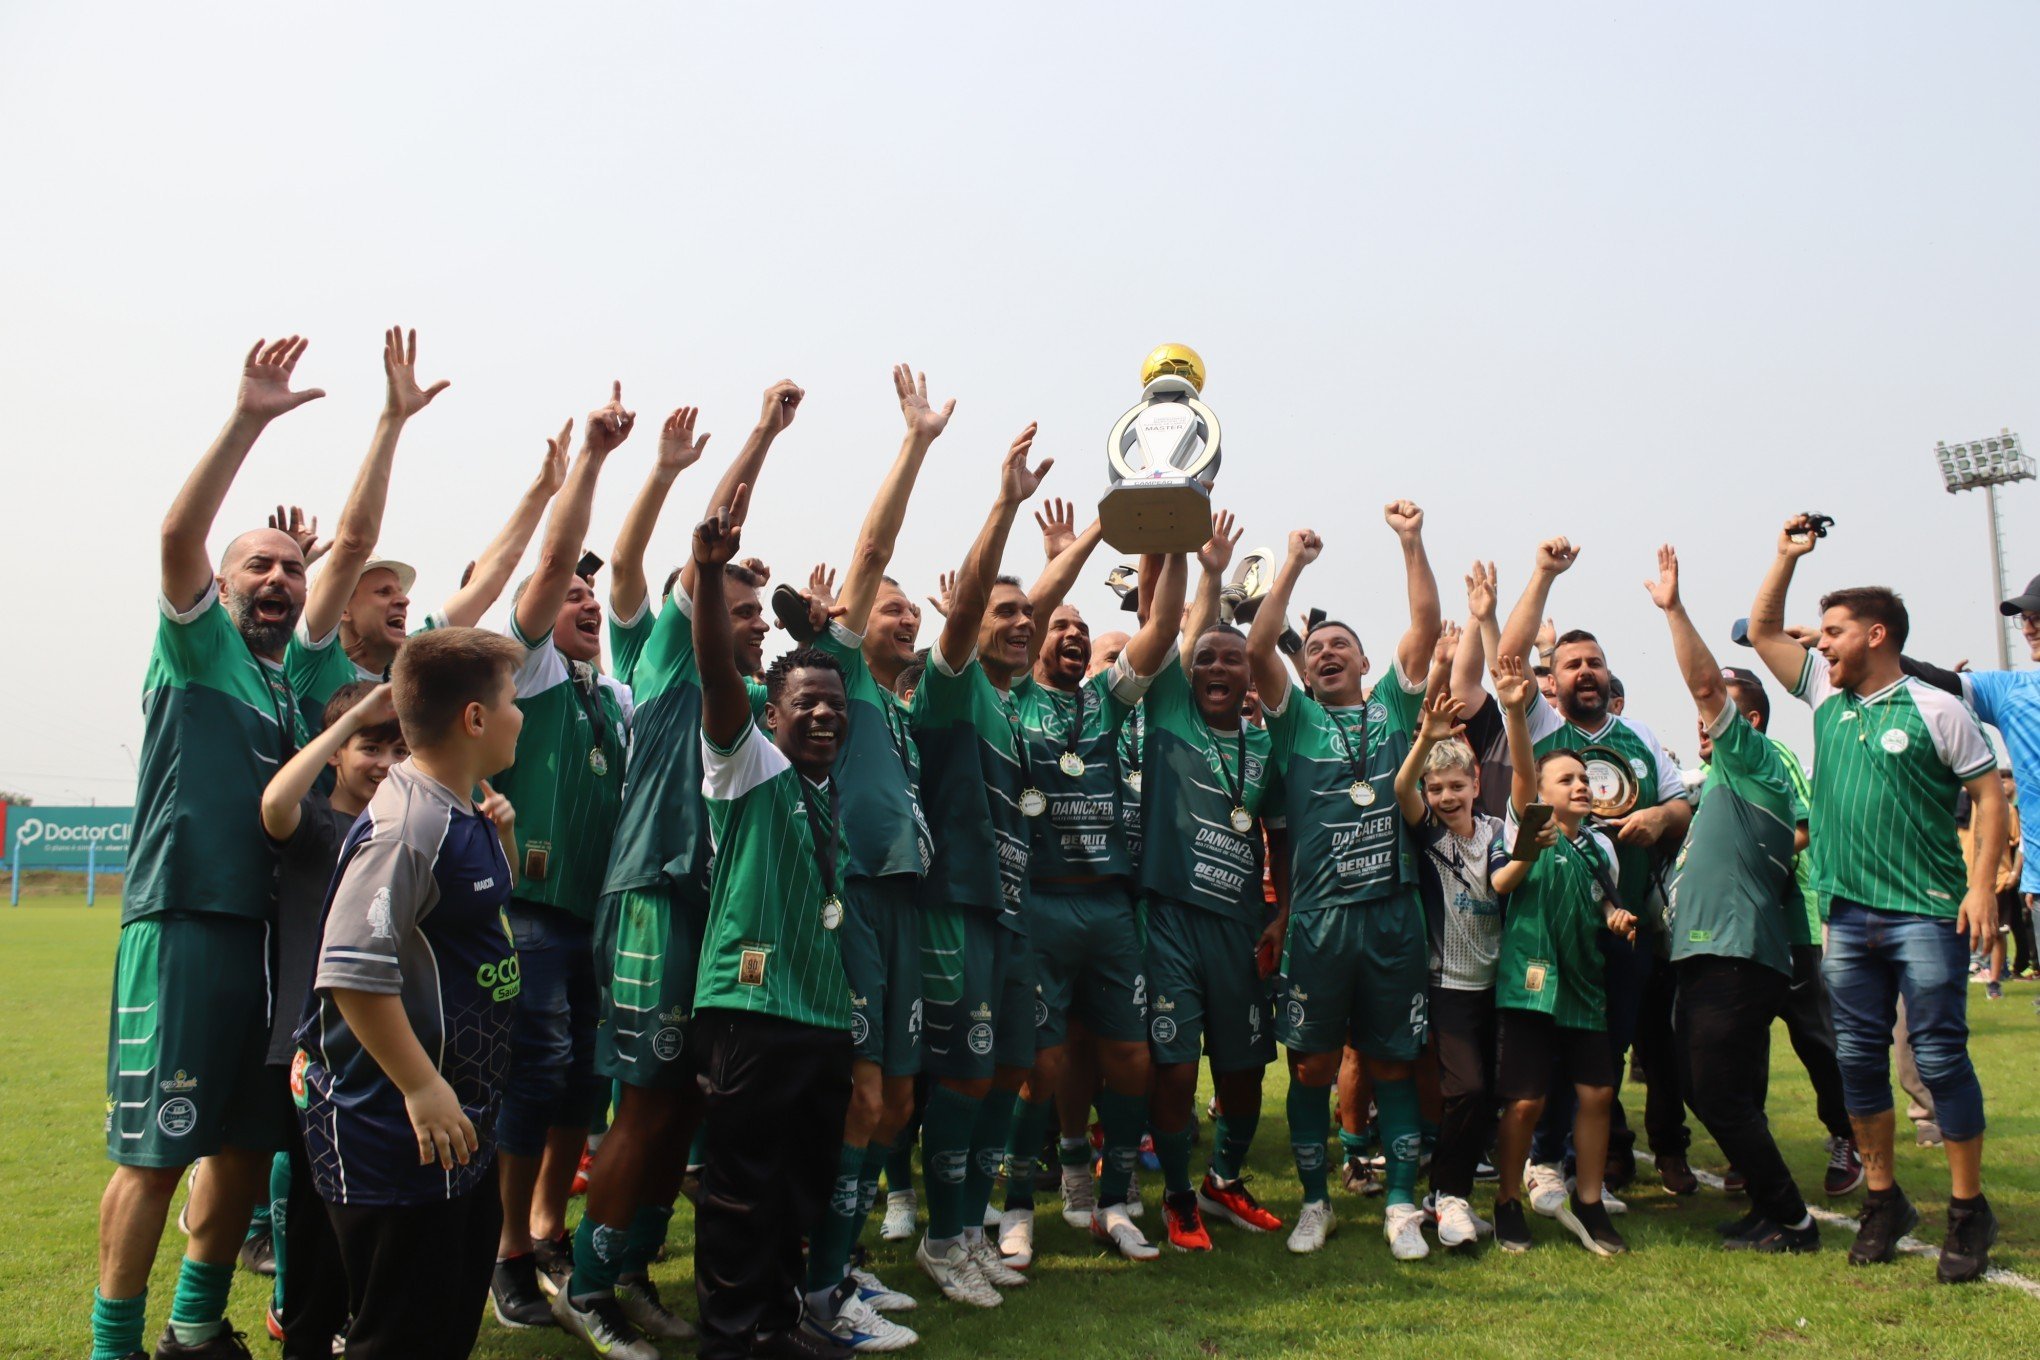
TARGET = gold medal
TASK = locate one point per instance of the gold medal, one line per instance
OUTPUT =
(1362, 793)
(598, 762)
(832, 912)
(1033, 802)
(1071, 764)
(1242, 820)
(1133, 780)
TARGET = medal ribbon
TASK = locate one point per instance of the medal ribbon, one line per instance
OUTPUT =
(1356, 764)
(591, 704)
(825, 853)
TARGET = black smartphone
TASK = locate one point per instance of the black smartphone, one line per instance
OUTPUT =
(791, 608)
(1529, 827)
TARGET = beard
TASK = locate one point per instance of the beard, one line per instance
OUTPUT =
(264, 637)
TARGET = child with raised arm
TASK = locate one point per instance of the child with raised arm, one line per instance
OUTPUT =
(406, 1035)
(1551, 1014)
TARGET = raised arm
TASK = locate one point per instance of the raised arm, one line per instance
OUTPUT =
(1513, 689)
(781, 404)
(1053, 586)
(1697, 666)
(1481, 640)
(1214, 557)
(1555, 557)
(283, 797)
(1264, 658)
(725, 703)
(881, 531)
(679, 449)
(1441, 722)
(1150, 646)
(1413, 653)
(1782, 656)
(973, 587)
(361, 518)
(498, 562)
(566, 528)
(265, 394)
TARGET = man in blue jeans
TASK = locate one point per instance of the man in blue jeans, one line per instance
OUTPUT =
(1891, 753)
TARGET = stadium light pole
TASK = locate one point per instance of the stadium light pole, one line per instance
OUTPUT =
(1988, 463)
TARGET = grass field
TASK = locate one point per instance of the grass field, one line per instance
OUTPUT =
(1676, 1294)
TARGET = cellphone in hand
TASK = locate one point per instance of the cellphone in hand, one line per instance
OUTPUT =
(1528, 828)
(792, 609)
(1817, 526)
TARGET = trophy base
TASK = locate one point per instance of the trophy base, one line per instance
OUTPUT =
(1159, 515)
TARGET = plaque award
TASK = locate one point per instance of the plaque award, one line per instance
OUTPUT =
(1162, 457)
(1614, 786)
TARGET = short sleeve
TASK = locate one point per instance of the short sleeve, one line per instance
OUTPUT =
(542, 668)
(1671, 782)
(187, 640)
(384, 889)
(627, 639)
(753, 760)
(1813, 687)
(1985, 692)
(944, 696)
(1751, 764)
(1401, 697)
(1958, 737)
(1497, 849)
(1543, 719)
(1285, 724)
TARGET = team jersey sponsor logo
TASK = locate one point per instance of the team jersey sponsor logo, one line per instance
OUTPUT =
(179, 1084)
(666, 1044)
(1164, 1028)
(500, 980)
(1894, 742)
(980, 1039)
(177, 1117)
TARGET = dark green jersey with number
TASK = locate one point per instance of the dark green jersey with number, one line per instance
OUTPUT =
(1550, 961)
(971, 778)
(218, 722)
(878, 772)
(1082, 835)
(1657, 779)
(1732, 891)
(1345, 853)
(1192, 779)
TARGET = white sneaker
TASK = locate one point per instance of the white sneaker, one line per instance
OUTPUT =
(603, 1326)
(1315, 1224)
(1114, 1226)
(957, 1275)
(1545, 1188)
(985, 1252)
(1134, 1207)
(1403, 1226)
(862, 1328)
(1458, 1225)
(902, 1214)
(1016, 1238)
(648, 1312)
(991, 1217)
(1080, 1195)
(880, 1296)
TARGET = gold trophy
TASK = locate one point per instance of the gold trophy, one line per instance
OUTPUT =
(1162, 457)
(1614, 786)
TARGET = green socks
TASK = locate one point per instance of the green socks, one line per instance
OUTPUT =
(987, 1150)
(876, 1158)
(198, 1311)
(1229, 1144)
(279, 1228)
(1073, 1151)
(1173, 1151)
(899, 1163)
(117, 1325)
(829, 1247)
(1124, 1118)
(1023, 1151)
(647, 1235)
(598, 1258)
(1395, 1105)
(945, 1152)
(1310, 1127)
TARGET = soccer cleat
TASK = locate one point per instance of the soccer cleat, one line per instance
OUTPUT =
(1965, 1254)
(957, 1275)
(1186, 1226)
(1512, 1233)
(555, 1258)
(862, 1328)
(514, 1295)
(1114, 1226)
(580, 1185)
(1676, 1175)
(1770, 1239)
(225, 1344)
(1403, 1226)
(1231, 1202)
(1359, 1176)
(648, 1312)
(1544, 1183)
(1315, 1225)
(985, 1252)
(258, 1254)
(602, 1323)
(1080, 1195)
(902, 1214)
(875, 1292)
(1591, 1224)
(1134, 1208)
(1844, 1169)
(1458, 1225)
(1016, 1238)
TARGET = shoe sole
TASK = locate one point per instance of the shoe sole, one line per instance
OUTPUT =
(1513, 1248)
(1571, 1222)
(1211, 1208)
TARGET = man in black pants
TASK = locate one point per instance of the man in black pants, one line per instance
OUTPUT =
(1726, 916)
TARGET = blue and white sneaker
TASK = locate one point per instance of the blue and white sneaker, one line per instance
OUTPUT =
(874, 1292)
(863, 1328)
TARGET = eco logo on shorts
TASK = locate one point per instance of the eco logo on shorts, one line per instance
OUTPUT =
(177, 1117)
(500, 980)
(1164, 1028)
(980, 1039)
(666, 1044)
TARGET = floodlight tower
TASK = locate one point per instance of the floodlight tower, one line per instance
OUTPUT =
(1988, 463)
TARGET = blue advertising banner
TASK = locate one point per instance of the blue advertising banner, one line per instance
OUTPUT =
(67, 837)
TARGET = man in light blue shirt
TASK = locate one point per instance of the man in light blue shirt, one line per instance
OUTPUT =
(2010, 702)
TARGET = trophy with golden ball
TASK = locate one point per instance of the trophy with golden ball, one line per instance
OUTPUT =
(1162, 457)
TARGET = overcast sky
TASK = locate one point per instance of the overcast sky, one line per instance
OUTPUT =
(1629, 273)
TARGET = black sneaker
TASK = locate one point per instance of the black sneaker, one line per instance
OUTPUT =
(1484, 1169)
(1591, 1224)
(802, 1343)
(1739, 1227)
(1675, 1173)
(514, 1295)
(1772, 1239)
(555, 1258)
(227, 1344)
(1620, 1171)
(1511, 1232)
(258, 1254)
(1883, 1221)
(1971, 1234)
(1733, 1182)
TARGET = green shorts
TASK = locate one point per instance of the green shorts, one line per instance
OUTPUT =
(647, 948)
(187, 1048)
(1204, 984)
(977, 983)
(1358, 975)
(881, 943)
(1088, 960)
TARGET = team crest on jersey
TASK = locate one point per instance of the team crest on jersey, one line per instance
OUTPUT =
(1894, 742)
(179, 1084)
(1040, 1012)
(380, 927)
(1637, 767)
(1377, 712)
(860, 1028)
(177, 1117)
(1295, 1012)
(1164, 1028)
(666, 1044)
(980, 1039)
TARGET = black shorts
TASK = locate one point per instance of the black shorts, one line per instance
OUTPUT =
(1532, 1053)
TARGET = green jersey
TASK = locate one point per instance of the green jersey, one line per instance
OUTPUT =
(662, 823)
(1195, 781)
(1804, 925)
(1657, 780)
(771, 943)
(972, 773)
(218, 722)
(1082, 834)
(1550, 961)
(317, 670)
(1886, 770)
(1732, 891)
(879, 771)
(567, 784)
(1132, 753)
(1347, 841)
